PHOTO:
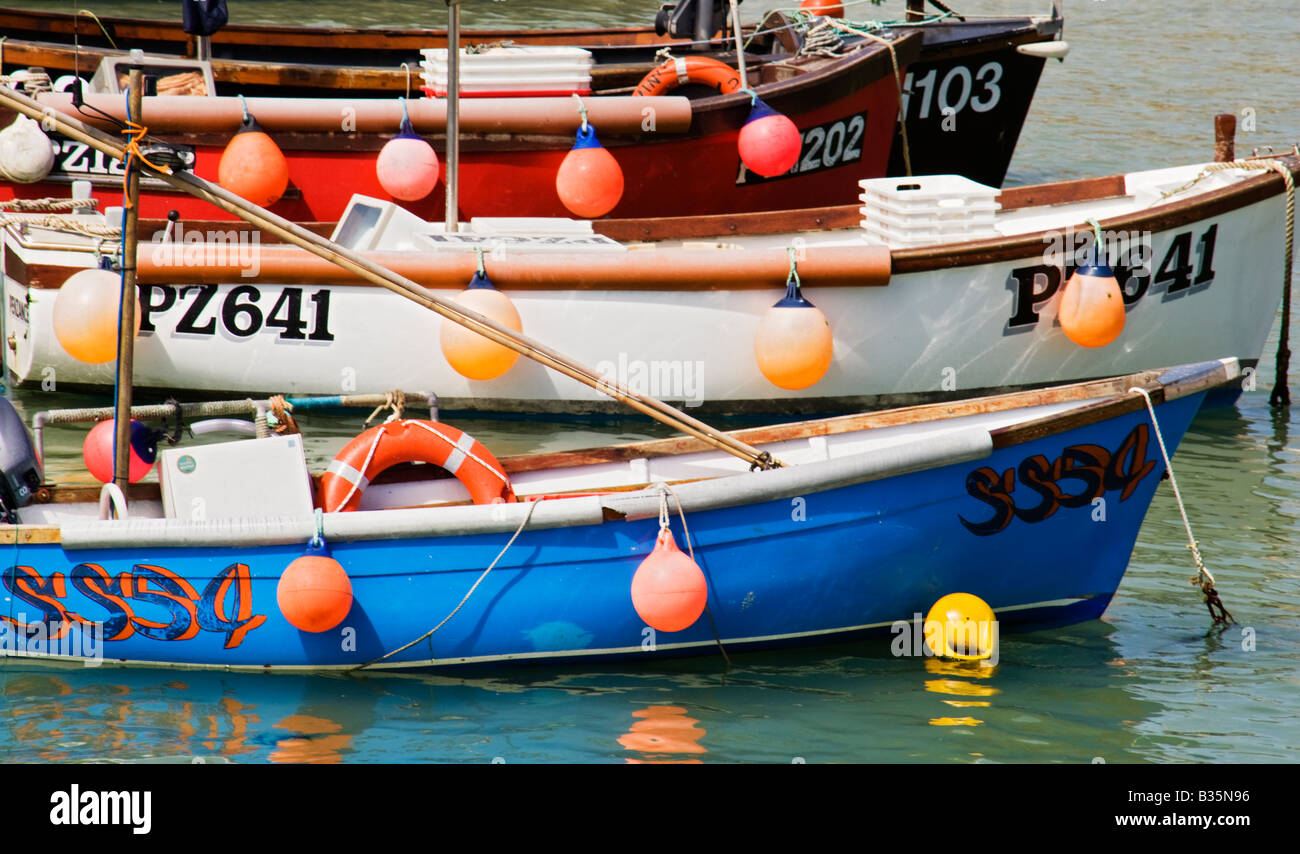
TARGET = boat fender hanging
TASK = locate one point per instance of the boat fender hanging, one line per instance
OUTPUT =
(1091, 311)
(689, 69)
(769, 142)
(793, 344)
(589, 181)
(85, 314)
(407, 166)
(26, 153)
(253, 166)
(98, 451)
(669, 590)
(412, 441)
(314, 592)
(470, 354)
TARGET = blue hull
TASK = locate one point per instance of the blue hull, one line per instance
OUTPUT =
(1051, 548)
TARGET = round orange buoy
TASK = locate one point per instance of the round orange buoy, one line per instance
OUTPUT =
(314, 592)
(769, 142)
(98, 451)
(253, 166)
(668, 589)
(470, 354)
(1092, 306)
(793, 345)
(407, 167)
(825, 8)
(589, 181)
(85, 315)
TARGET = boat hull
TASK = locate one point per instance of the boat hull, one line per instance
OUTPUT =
(926, 335)
(823, 566)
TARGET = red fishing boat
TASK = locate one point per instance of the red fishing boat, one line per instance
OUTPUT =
(844, 87)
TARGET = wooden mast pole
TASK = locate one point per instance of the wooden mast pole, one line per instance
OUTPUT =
(126, 310)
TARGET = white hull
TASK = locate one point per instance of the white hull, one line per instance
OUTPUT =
(925, 335)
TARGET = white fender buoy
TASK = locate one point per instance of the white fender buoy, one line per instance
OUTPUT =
(26, 154)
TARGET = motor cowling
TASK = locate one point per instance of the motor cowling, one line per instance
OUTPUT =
(20, 471)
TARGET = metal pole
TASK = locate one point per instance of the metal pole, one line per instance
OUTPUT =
(453, 112)
(740, 46)
(126, 317)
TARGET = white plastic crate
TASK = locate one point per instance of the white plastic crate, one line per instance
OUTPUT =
(926, 210)
(506, 71)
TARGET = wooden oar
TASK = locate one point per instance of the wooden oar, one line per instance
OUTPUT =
(372, 272)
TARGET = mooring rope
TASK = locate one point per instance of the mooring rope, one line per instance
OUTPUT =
(46, 205)
(1281, 394)
(835, 26)
(532, 505)
(1203, 577)
(664, 491)
(58, 222)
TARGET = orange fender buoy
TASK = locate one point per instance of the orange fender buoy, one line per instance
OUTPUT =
(793, 345)
(314, 593)
(669, 589)
(825, 8)
(472, 355)
(253, 166)
(1092, 306)
(689, 69)
(410, 441)
(589, 181)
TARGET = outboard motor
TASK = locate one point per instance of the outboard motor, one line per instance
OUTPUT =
(697, 20)
(203, 17)
(20, 472)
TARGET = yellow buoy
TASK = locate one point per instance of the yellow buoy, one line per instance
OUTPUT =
(961, 626)
(470, 354)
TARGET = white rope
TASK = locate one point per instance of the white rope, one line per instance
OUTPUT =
(469, 452)
(1203, 574)
(356, 484)
(532, 505)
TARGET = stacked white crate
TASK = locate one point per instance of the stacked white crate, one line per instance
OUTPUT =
(927, 210)
(511, 71)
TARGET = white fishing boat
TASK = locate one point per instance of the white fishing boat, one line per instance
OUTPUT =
(933, 288)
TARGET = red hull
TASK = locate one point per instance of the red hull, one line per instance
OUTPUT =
(698, 173)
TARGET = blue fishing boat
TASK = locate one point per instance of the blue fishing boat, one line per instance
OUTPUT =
(1031, 501)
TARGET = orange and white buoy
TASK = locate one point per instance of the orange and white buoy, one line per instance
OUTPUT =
(1091, 311)
(793, 344)
(470, 354)
(85, 314)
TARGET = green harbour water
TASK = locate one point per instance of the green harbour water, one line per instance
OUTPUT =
(1146, 684)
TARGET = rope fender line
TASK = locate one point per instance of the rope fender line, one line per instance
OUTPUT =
(1203, 578)
(1281, 393)
(532, 505)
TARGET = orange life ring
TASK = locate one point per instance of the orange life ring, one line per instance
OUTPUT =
(408, 441)
(689, 69)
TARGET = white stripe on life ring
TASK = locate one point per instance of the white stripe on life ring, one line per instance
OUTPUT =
(348, 473)
(459, 453)
(683, 76)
